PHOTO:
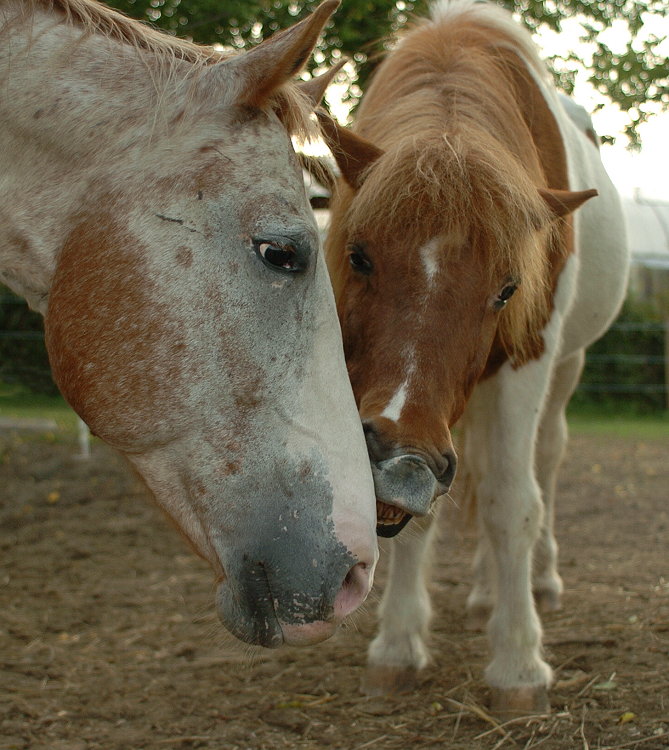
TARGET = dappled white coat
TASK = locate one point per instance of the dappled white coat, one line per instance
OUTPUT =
(139, 194)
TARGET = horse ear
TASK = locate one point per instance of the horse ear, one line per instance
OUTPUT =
(353, 154)
(258, 73)
(315, 87)
(563, 202)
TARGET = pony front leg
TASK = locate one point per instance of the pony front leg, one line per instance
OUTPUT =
(500, 430)
(481, 599)
(511, 513)
(399, 652)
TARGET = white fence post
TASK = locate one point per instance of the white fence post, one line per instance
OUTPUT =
(84, 435)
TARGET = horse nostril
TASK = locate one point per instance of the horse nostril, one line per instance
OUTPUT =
(353, 591)
(447, 468)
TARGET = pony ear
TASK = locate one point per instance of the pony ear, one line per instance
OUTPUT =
(315, 88)
(563, 202)
(258, 73)
(353, 154)
(323, 174)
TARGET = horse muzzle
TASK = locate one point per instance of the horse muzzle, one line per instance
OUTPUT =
(269, 601)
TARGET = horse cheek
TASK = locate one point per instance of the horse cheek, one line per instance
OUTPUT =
(114, 353)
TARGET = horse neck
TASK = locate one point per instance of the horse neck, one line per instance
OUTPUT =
(77, 113)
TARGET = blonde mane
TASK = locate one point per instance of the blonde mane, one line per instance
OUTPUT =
(459, 157)
(169, 53)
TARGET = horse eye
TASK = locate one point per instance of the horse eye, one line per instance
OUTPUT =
(359, 262)
(504, 296)
(279, 257)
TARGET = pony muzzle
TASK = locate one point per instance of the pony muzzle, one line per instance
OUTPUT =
(405, 482)
(406, 486)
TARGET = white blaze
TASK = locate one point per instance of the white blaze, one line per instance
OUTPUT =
(429, 254)
(394, 408)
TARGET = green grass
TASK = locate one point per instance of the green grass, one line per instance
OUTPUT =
(624, 425)
(18, 402)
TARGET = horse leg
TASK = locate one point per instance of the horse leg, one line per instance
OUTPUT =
(502, 421)
(481, 599)
(482, 596)
(551, 444)
(399, 652)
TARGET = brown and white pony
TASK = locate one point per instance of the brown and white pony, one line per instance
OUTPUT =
(153, 209)
(467, 292)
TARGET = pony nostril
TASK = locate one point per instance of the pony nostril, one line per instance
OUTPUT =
(447, 468)
(369, 429)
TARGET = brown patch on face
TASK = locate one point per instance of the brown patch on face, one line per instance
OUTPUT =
(184, 256)
(116, 353)
(232, 467)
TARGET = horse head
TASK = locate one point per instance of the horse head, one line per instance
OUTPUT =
(189, 316)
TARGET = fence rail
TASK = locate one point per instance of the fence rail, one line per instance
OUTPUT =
(598, 379)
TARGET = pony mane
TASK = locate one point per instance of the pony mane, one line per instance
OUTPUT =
(512, 35)
(458, 154)
(168, 52)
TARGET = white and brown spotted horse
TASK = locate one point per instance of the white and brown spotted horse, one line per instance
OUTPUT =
(153, 209)
(467, 290)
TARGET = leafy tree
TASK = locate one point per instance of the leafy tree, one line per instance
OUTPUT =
(23, 357)
(635, 78)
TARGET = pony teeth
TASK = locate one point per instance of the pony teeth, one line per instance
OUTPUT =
(388, 514)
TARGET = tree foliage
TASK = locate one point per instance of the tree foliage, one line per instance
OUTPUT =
(23, 357)
(635, 78)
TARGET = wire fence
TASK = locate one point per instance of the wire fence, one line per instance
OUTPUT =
(611, 370)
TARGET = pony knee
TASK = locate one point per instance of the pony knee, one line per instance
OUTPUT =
(512, 515)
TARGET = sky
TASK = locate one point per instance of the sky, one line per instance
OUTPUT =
(645, 172)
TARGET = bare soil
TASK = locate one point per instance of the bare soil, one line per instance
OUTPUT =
(109, 641)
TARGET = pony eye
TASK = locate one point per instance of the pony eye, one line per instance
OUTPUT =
(279, 257)
(504, 296)
(359, 262)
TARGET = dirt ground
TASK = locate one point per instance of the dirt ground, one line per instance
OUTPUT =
(109, 641)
